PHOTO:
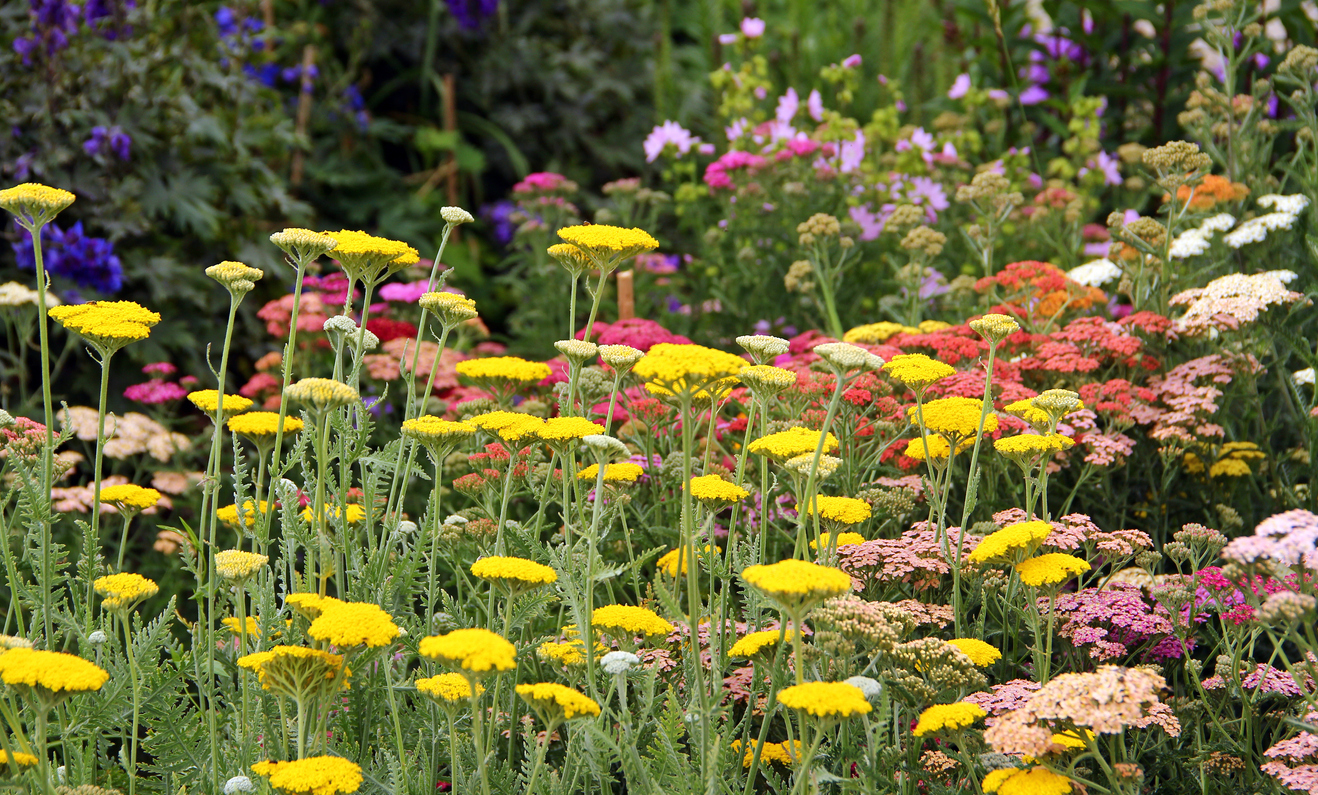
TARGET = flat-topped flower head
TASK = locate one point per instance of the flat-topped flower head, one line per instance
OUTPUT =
(607, 246)
(1057, 403)
(209, 399)
(843, 540)
(17, 762)
(620, 357)
(765, 380)
(763, 347)
(673, 562)
(518, 574)
(321, 394)
(50, 674)
(352, 513)
(130, 498)
(560, 432)
(979, 652)
(797, 584)
(875, 333)
(578, 352)
(436, 434)
(751, 644)
(509, 369)
(237, 565)
(555, 703)
(451, 309)
(261, 426)
(310, 605)
(230, 515)
(791, 443)
(314, 775)
(917, 371)
(956, 418)
(629, 621)
(367, 258)
(122, 591)
(455, 216)
(474, 651)
(715, 492)
(570, 653)
(1027, 449)
(1051, 569)
(34, 204)
(670, 369)
(574, 260)
(844, 357)
(995, 327)
(1013, 542)
(449, 690)
(236, 277)
(354, 624)
(786, 753)
(1035, 781)
(842, 510)
(296, 671)
(622, 472)
(303, 245)
(106, 325)
(825, 700)
(948, 718)
(804, 463)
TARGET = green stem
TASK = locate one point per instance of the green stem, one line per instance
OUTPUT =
(96, 478)
(48, 452)
(388, 665)
(123, 541)
(137, 703)
(478, 739)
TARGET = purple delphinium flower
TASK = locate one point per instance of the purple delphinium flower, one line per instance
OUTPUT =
(471, 14)
(89, 262)
(111, 138)
(497, 215)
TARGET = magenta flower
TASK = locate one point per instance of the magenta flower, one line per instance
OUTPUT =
(154, 393)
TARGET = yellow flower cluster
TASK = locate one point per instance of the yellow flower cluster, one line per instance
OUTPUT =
(791, 443)
(1232, 460)
(954, 417)
(1027, 447)
(843, 540)
(303, 244)
(260, 425)
(450, 308)
(291, 670)
(995, 327)
(938, 447)
(315, 775)
(714, 491)
(979, 652)
(476, 650)
(753, 643)
(874, 333)
(1010, 541)
(1036, 417)
(797, 581)
(208, 399)
(435, 432)
(766, 380)
(504, 368)
(364, 257)
(33, 201)
(558, 702)
(1035, 781)
(514, 571)
(352, 513)
(124, 590)
(843, 510)
(607, 242)
(672, 368)
(229, 513)
(786, 753)
(448, 687)
(574, 260)
(320, 393)
(570, 653)
(232, 624)
(948, 718)
(917, 370)
(354, 624)
(130, 497)
(52, 671)
(624, 472)
(310, 605)
(20, 759)
(629, 619)
(673, 562)
(237, 564)
(825, 699)
(558, 430)
(107, 325)
(1050, 569)
(235, 276)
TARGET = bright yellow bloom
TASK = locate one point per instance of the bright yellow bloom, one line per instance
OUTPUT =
(1010, 541)
(527, 429)
(303, 245)
(20, 759)
(232, 624)
(556, 702)
(1229, 468)
(1036, 417)
(124, 590)
(607, 245)
(310, 605)
(995, 778)
(948, 718)
(916, 370)
(937, 446)
(435, 432)
(130, 498)
(629, 619)
(954, 417)
(450, 308)
(315, 775)
(368, 258)
(797, 582)
(208, 399)
(34, 203)
(672, 368)
(1035, 781)
(260, 426)
(320, 393)
(873, 333)
(353, 514)
(50, 671)
(1027, 447)
(236, 564)
(229, 513)
(296, 671)
(825, 699)
(570, 653)
(625, 472)
(558, 430)
(775, 753)
(107, 325)
(447, 688)
(843, 510)
(504, 368)
(979, 652)
(354, 624)
(1050, 569)
(673, 562)
(791, 443)
(753, 643)
(516, 572)
(714, 491)
(843, 540)
(476, 650)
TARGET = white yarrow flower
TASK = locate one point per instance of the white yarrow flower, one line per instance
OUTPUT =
(456, 215)
(238, 784)
(1294, 204)
(619, 662)
(1190, 243)
(1096, 273)
(1218, 223)
(1302, 377)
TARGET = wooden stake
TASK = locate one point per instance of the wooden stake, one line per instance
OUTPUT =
(626, 298)
(303, 112)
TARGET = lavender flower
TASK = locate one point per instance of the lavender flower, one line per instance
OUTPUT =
(670, 132)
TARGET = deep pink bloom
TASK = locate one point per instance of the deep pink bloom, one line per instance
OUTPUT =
(154, 392)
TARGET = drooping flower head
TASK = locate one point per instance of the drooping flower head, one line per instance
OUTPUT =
(314, 775)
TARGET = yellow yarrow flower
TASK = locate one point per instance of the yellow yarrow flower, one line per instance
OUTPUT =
(843, 510)
(670, 369)
(236, 277)
(260, 426)
(629, 620)
(956, 418)
(320, 393)
(445, 689)
(122, 591)
(504, 368)
(438, 436)
(979, 652)
(605, 246)
(753, 643)
(843, 540)
(797, 583)
(791, 443)
(451, 308)
(1052, 569)
(574, 260)
(1011, 541)
(51, 673)
(310, 605)
(515, 573)
(229, 513)
(827, 700)
(938, 448)
(570, 653)
(624, 472)
(555, 703)
(786, 753)
(354, 624)
(315, 775)
(766, 380)
(232, 624)
(303, 245)
(296, 671)
(673, 562)
(1024, 409)
(1026, 448)
(106, 325)
(208, 399)
(129, 498)
(477, 651)
(1035, 781)
(367, 258)
(715, 492)
(558, 431)
(237, 564)
(874, 333)
(948, 718)
(20, 759)
(917, 371)
(34, 204)
(352, 513)
(995, 327)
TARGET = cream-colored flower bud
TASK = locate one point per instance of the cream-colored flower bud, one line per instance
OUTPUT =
(455, 216)
(994, 327)
(577, 352)
(620, 357)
